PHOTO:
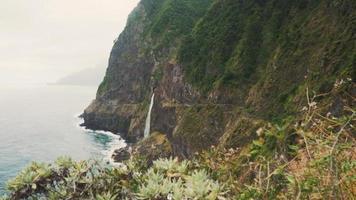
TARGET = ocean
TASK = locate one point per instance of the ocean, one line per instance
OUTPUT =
(41, 123)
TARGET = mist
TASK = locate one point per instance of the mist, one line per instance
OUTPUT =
(43, 41)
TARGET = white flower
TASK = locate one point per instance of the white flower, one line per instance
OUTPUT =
(312, 104)
(328, 114)
(338, 83)
(259, 132)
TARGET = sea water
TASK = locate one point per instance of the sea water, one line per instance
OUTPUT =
(41, 123)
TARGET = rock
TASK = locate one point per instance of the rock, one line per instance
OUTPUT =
(155, 146)
(122, 154)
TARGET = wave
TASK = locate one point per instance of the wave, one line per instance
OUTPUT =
(117, 142)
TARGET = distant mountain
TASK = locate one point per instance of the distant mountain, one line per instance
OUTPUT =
(87, 77)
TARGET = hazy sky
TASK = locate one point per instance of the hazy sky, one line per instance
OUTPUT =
(44, 40)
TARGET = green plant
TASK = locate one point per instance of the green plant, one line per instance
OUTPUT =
(170, 166)
(107, 196)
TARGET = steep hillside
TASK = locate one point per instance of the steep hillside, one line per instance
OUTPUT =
(271, 50)
(222, 69)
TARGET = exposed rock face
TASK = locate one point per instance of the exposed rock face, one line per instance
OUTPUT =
(126, 84)
(222, 69)
(123, 97)
(109, 116)
(122, 154)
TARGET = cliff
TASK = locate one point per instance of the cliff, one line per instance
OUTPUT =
(221, 69)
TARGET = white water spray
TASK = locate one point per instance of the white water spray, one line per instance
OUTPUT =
(148, 119)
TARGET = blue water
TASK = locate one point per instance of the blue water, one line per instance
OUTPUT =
(41, 124)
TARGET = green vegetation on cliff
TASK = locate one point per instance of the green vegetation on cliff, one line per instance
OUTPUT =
(175, 18)
(171, 20)
(256, 55)
(246, 42)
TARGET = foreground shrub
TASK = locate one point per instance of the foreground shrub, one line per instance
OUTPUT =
(66, 179)
(309, 157)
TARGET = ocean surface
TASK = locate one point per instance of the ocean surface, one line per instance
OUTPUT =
(41, 123)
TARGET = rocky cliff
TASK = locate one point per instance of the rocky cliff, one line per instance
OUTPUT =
(220, 69)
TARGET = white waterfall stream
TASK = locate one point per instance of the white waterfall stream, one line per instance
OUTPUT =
(148, 119)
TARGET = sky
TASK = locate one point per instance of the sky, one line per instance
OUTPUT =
(42, 41)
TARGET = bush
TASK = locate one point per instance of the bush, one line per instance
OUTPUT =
(166, 179)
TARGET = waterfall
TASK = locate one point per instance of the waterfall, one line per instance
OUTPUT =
(148, 119)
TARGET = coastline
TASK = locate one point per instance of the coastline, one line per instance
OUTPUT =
(117, 143)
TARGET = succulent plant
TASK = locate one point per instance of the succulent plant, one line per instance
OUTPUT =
(64, 162)
(106, 196)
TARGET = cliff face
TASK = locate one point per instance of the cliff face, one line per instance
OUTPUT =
(126, 83)
(221, 69)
